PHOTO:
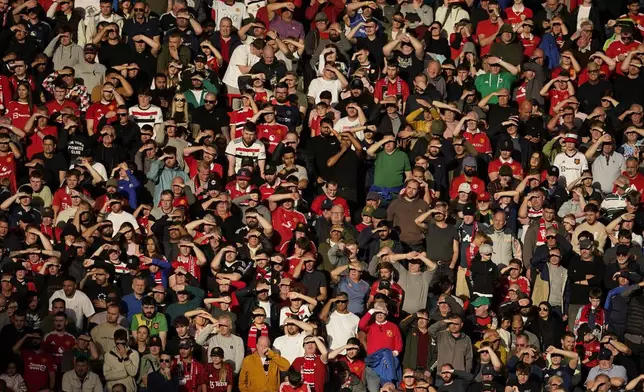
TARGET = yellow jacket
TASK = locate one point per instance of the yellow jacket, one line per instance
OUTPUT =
(252, 377)
(421, 126)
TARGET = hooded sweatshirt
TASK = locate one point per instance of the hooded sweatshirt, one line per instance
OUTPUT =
(64, 56)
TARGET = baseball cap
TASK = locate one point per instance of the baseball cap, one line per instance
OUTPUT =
(356, 84)
(465, 188)
(47, 212)
(480, 301)
(200, 57)
(185, 343)
(367, 210)
(571, 138)
(243, 174)
(553, 171)
(155, 341)
(379, 213)
(213, 185)
(321, 17)
(486, 249)
(270, 169)
(90, 48)
(301, 227)
(585, 244)
(506, 145)
(112, 182)
(605, 354)
(327, 204)
(217, 352)
(373, 196)
(485, 196)
(469, 210)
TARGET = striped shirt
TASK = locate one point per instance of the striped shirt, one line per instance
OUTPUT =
(151, 115)
(238, 149)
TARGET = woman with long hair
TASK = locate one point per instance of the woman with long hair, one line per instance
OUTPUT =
(173, 74)
(129, 240)
(220, 373)
(179, 111)
(547, 325)
(539, 163)
(20, 109)
(152, 248)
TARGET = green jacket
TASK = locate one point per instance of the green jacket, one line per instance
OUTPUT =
(408, 327)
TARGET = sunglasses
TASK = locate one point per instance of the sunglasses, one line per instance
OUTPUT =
(122, 114)
(165, 360)
(341, 301)
(140, 9)
(208, 101)
(180, 100)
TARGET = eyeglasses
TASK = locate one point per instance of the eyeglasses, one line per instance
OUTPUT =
(165, 360)
(180, 100)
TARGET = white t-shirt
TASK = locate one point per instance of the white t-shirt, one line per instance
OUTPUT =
(290, 347)
(236, 12)
(120, 218)
(340, 328)
(240, 56)
(345, 124)
(77, 307)
(319, 84)
(571, 167)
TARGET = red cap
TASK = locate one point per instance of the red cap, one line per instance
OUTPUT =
(485, 196)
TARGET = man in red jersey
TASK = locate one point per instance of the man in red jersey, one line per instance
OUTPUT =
(331, 194)
(191, 374)
(39, 369)
(63, 196)
(37, 127)
(284, 217)
(272, 181)
(240, 186)
(58, 341)
(60, 102)
(269, 131)
(110, 100)
(312, 366)
(8, 160)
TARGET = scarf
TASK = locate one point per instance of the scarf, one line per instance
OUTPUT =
(541, 235)
(594, 317)
(254, 333)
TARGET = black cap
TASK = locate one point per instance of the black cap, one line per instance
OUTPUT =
(155, 341)
(621, 249)
(379, 213)
(270, 169)
(301, 227)
(356, 84)
(469, 210)
(200, 57)
(185, 343)
(327, 204)
(217, 352)
(213, 185)
(506, 145)
(553, 171)
(605, 354)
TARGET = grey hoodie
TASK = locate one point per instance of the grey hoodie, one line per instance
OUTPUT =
(64, 56)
